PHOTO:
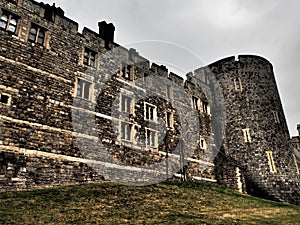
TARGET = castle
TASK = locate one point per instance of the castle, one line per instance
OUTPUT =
(78, 107)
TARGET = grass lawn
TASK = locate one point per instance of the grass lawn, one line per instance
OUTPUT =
(165, 203)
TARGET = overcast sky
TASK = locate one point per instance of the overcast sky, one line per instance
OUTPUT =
(208, 29)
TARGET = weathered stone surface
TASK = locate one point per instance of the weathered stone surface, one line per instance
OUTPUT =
(45, 141)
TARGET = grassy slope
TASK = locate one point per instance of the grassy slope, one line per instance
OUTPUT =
(167, 203)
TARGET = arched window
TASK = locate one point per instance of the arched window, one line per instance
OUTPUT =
(37, 34)
(8, 22)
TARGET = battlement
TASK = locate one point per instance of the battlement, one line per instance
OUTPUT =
(78, 107)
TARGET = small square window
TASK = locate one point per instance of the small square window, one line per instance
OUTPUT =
(89, 57)
(5, 99)
(84, 89)
(127, 72)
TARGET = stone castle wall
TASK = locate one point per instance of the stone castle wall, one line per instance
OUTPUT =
(78, 107)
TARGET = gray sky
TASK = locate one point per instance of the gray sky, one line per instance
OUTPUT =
(211, 29)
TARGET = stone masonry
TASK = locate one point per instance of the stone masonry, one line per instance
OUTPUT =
(78, 107)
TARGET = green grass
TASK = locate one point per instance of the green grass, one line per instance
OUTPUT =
(166, 203)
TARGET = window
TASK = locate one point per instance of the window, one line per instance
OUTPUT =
(151, 138)
(126, 131)
(195, 102)
(202, 143)
(84, 89)
(247, 137)
(276, 117)
(150, 112)
(8, 22)
(296, 164)
(169, 119)
(237, 84)
(127, 72)
(5, 99)
(170, 92)
(126, 104)
(37, 34)
(205, 107)
(89, 57)
(271, 161)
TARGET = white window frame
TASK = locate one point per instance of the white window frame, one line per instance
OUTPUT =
(247, 135)
(151, 145)
(271, 161)
(147, 114)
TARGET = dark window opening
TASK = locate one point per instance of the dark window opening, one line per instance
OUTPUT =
(8, 22)
(37, 34)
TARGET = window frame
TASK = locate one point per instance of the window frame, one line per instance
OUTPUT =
(38, 30)
(124, 134)
(238, 84)
(125, 98)
(271, 162)
(79, 81)
(170, 120)
(247, 135)
(127, 69)
(147, 115)
(89, 54)
(9, 98)
(10, 16)
(149, 142)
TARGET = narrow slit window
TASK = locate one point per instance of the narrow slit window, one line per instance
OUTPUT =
(195, 102)
(237, 84)
(170, 119)
(247, 136)
(276, 117)
(271, 161)
(202, 143)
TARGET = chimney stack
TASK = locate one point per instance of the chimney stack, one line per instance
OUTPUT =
(106, 31)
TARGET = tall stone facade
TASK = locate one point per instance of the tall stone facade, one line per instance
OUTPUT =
(78, 107)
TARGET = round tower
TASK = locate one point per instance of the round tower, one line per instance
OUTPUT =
(256, 143)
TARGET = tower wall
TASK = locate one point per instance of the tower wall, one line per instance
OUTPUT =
(256, 135)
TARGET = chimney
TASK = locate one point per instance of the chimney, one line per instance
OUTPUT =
(106, 31)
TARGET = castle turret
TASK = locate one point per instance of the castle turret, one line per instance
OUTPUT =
(257, 138)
